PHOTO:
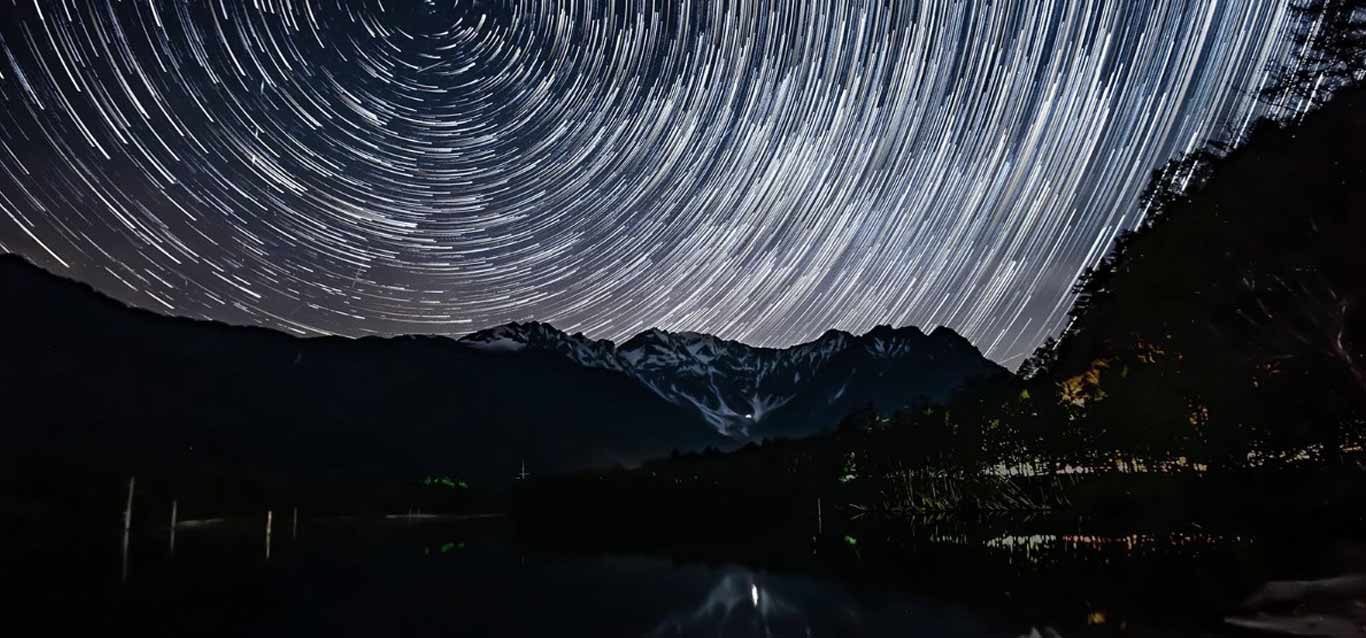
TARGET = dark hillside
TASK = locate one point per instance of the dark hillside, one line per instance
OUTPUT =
(90, 385)
(1233, 322)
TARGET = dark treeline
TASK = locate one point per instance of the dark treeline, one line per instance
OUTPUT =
(1213, 365)
(1226, 330)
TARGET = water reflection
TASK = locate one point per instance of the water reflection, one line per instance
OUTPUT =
(740, 605)
(1329, 607)
(360, 578)
(1038, 548)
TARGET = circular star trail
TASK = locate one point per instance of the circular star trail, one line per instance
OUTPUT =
(763, 170)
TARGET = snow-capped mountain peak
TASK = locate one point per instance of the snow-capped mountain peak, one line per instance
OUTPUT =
(740, 389)
(537, 336)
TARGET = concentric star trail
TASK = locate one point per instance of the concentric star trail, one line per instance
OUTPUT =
(763, 170)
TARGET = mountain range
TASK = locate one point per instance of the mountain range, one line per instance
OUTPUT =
(745, 392)
(88, 380)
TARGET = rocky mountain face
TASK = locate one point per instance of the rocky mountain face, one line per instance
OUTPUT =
(744, 391)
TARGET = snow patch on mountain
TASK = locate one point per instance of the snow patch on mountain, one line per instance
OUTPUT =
(731, 385)
(503, 344)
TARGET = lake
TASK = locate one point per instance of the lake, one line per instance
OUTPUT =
(342, 577)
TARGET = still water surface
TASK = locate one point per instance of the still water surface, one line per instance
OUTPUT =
(367, 578)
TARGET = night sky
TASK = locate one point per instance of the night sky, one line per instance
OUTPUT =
(763, 170)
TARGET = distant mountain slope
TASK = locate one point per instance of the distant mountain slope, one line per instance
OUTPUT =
(84, 376)
(745, 391)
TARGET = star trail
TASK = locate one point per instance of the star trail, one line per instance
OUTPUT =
(762, 170)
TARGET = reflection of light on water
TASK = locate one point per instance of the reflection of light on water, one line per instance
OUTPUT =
(1130, 541)
(1022, 542)
(201, 522)
(723, 612)
(1175, 465)
(1031, 546)
(1048, 632)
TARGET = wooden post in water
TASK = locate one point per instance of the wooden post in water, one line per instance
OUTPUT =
(820, 523)
(269, 515)
(128, 505)
(174, 505)
(127, 526)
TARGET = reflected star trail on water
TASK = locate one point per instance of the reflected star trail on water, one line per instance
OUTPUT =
(759, 170)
